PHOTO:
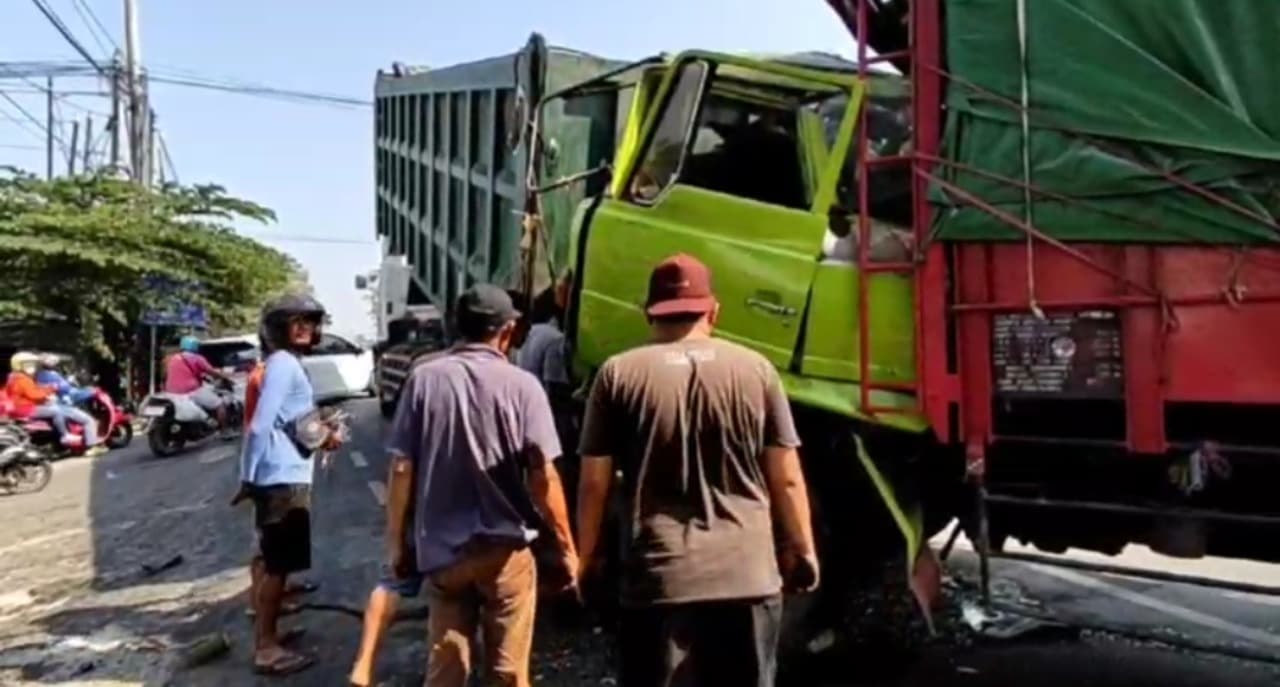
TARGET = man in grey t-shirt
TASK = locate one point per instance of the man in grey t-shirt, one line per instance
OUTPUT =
(702, 432)
(473, 445)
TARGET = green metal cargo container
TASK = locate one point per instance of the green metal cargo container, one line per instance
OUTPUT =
(451, 164)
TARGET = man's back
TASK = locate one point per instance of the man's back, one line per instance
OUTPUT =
(688, 422)
(183, 372)
(466, 422)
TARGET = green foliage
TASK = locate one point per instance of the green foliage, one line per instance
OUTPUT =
(77, 249)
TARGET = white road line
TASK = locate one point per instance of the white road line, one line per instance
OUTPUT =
(379, 492)
(1262, 599)
(357, 459)
(1236, 630)
(210, 457)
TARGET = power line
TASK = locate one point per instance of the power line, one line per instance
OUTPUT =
(66, 34)
(61, 97)
(299, 238)
(21, 124)
(164, 151)
(31, 118)
(91, 20)
(190, 80)
(44, 130)
(262, 91)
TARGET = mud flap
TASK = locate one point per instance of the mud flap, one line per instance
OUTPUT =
(924, 572)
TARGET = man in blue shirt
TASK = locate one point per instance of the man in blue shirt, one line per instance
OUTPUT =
(473, 446)
(49, 376)
(275, 472)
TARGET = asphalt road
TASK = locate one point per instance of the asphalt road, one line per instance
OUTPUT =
(78, 608)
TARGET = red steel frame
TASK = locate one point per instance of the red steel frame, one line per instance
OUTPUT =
(1198, 322)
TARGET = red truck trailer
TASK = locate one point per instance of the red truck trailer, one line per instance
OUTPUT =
(1097, 263)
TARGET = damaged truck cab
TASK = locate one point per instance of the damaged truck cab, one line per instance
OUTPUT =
(742, 163)
(747, 164)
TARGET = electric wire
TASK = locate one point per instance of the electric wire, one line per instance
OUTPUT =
(90, 19)
(61, 27)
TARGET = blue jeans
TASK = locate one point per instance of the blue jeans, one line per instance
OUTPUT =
(60, 415)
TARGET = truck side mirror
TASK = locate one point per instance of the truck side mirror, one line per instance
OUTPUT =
(362, 282)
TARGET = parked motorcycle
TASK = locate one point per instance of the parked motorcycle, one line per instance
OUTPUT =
(24, 468)
(173, 420)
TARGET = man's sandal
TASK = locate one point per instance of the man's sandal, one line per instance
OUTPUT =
(287, 663)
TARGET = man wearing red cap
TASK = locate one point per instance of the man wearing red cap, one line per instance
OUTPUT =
(703, 434)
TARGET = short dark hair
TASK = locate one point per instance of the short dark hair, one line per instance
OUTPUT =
(473, 328)
(544, 308)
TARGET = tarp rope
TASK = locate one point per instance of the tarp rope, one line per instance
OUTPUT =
(1025, 110)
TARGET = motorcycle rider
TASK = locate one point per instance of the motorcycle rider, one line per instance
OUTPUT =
(32, 401)
(186, 373)
(49, 376)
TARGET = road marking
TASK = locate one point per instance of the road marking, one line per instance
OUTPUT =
(1227, 627)
(379, 492)
(216, 456)
(357, 459)
(1263, 599)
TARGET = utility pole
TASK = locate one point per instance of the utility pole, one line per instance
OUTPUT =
(137, 113)
(114, 122)
(88, 144)
(48, 128)
(71, 154)
(150, 177)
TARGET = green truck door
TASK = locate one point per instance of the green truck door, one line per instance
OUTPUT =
(722, 175)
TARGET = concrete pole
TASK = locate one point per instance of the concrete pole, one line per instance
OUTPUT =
(151, 167)
(75, 143)
(133, 81)
(88, 144)
(48, 128)
(114, 123)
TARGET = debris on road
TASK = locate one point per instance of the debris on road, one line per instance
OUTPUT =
(150, 570)
(206, 650)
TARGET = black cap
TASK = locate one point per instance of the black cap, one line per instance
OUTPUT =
(484, 308)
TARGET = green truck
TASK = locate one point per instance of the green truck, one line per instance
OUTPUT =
(999, 268)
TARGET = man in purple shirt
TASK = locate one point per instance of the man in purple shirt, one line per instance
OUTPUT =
(472, 448)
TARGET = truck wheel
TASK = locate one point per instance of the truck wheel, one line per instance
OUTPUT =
(863, 613)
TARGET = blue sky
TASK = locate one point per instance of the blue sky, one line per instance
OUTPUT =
(313, 164)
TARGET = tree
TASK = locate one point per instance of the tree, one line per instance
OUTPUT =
(78, 250)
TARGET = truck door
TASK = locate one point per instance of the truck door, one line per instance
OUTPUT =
(722, 173)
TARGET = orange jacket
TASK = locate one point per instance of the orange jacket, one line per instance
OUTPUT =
(251, 392)
(25, 394)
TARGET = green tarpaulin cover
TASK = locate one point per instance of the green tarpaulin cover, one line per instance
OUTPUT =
(1119, 91)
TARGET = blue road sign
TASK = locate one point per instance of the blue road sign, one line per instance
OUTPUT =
(182, 316)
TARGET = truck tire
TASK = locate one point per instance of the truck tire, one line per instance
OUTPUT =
(863, 613)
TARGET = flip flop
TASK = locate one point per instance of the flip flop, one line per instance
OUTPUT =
(301, 588)
(287, 664)
(286, 609)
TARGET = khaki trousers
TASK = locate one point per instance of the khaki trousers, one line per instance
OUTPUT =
(492, 589)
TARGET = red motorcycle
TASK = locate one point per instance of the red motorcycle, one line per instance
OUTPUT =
(115, 426)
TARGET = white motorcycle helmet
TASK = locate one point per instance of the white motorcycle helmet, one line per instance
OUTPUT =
(24, 361)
